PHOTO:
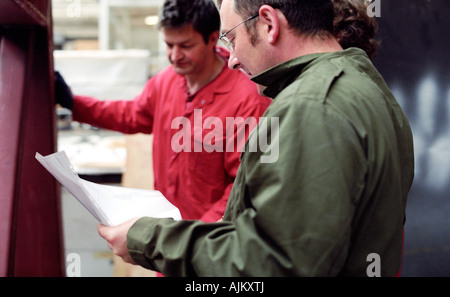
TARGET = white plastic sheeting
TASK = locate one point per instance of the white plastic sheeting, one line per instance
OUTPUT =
(108, 75)
(112, 74)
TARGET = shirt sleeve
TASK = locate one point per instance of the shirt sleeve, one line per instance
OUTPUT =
(127, 116)
(216, 211)
(294, 216)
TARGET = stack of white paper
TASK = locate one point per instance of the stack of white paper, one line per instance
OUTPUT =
(110, 205)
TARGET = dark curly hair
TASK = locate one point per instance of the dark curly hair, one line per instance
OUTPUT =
(353, 27)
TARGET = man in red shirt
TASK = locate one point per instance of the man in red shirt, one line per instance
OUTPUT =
(188, 108)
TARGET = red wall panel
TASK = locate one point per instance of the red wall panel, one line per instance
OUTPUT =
(30, 222)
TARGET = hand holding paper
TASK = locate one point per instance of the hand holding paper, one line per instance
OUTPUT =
(117, 239)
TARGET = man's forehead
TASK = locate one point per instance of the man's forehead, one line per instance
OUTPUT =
(228, 16)
(221, 3)
(227, 6)
(180, 34)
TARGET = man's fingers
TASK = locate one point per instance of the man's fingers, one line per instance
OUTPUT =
(102, 230)
(116, 238)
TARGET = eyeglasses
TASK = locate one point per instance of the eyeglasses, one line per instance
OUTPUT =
(229, 43)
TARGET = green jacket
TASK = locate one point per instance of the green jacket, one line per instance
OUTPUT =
(328, 200)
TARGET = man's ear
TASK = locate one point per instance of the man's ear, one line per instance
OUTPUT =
(269, 17)
(214, 37)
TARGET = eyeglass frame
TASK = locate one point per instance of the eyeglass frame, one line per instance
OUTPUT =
(223, 37)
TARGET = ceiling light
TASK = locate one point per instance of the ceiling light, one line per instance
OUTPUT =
(152, 20)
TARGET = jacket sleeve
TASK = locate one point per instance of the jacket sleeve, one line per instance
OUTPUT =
(127, 116)
(293, 218)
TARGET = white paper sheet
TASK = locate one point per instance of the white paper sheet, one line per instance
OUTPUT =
(110, 205)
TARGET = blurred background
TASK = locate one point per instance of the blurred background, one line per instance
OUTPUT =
(414, 60)
(105, 49)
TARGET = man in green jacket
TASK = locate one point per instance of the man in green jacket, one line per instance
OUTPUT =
(331, 201)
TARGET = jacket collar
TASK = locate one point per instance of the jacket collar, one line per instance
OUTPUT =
(280, 76)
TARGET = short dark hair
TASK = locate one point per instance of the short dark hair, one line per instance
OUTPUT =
(308, 17)
(201, 14)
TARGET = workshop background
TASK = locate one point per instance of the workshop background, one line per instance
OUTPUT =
(108, 49)
(414, 61)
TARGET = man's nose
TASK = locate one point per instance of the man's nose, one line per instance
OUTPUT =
(233, 62)
(176, 53)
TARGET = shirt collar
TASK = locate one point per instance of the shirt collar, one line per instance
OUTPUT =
(223, 83)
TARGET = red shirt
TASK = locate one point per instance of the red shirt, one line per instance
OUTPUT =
(196, 180)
